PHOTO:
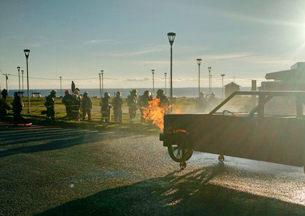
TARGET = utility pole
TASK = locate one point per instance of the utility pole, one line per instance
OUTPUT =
(60, 86)
(222, 75)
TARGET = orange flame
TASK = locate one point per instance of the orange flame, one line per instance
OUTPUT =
(155, 113)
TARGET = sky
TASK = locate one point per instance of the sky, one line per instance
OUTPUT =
(127, 39)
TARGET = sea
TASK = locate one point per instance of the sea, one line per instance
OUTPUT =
(177, 92)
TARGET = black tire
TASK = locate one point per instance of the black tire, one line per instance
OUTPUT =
(180, 149)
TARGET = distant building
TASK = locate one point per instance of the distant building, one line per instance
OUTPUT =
(230, 88)
(293, 79)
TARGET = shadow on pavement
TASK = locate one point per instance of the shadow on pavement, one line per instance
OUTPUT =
(177, 194)
(50, 139)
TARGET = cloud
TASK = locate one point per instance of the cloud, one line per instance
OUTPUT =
(228, 56)
(139, 79)
(34, 45)
(89, 42)
(256, 59)
(125, 54)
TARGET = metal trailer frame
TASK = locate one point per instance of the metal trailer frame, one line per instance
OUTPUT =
(277, 139)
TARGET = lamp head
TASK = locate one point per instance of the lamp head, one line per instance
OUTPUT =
(26, 52)
(18, 68)
(199, 61)
(102, 71)
(152, 71)
(209, 68)
(171, 37)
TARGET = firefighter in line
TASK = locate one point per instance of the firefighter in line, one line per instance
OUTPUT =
(213, 101)
(75, 108)
(86, 106)
(49, 103)
(201, 103)
(17, 108)
(164, 102)
(117, 107)
(132, 103)
(105, 107)
(68, 101)
(144, 103)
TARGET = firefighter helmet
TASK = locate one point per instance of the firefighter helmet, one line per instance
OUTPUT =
(53, 92)
(134, 91)
(106, 94)
(160, 92)
(147, 93)
(119, 94)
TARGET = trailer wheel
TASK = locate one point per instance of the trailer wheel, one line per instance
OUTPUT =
(180, 150)
(221, 158)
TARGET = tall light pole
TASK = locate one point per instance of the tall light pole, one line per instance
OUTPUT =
(209, 68)
(27, 53)
(22, 71)
(199, 62)
(60, 86)
(18, 68)
(100, 79)
(102, 72)
(6, 79)
(153, 79)
(171, 37)
(222, 75)
(165, 83)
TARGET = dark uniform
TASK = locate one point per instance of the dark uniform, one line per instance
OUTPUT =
(132, 102)
(17, 108)
(117, 107)
(49, 103)
(4, 94)
(201, 103)
(144, 103)
(86, 106)
(213, 101)
(105, 107)
(164, 102)
(4, 107)
(75, 108)
(68, 101)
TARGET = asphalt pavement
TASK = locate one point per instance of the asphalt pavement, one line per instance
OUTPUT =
(124, 173)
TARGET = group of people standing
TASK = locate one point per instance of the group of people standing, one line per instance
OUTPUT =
(74, 103)
(134, 103)
(203, 104)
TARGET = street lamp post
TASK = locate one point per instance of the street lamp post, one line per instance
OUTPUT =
(27, 53)
(171, 37)
(153, 79)
(100, 79)
(60, 86)
(102, 72)
(222, 75)
(165, 83)
(22, 71)
(199, 62)
(6, 78)
(209, 68)
(18, 68)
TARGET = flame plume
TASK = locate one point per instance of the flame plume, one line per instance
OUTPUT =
(155, 113)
